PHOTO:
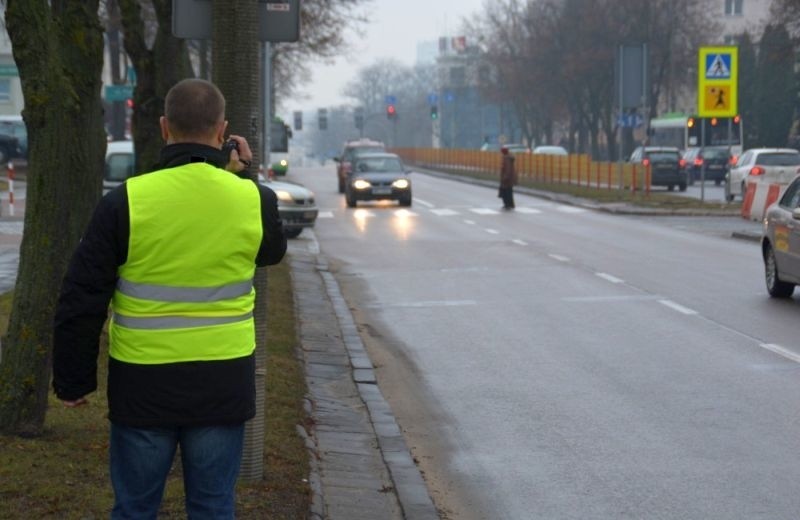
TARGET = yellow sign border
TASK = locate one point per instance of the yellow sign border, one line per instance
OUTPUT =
(732, 83)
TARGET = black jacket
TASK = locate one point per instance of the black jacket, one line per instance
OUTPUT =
(194, 393)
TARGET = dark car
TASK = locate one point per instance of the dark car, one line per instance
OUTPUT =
(664, 163)
(715, 158)
(13, 139)
(378, 176)
(353, 149)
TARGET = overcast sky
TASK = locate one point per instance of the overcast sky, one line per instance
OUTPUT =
(395, 28)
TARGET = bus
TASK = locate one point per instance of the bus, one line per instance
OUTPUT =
(683, 131)
(280, 133)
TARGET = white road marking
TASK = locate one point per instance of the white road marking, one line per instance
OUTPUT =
(676, 307)
(559, 258)
(609, 278)
(484, 211)
(362, 213)
(313, 245)
(591, 299)
(531, 211)
(325, 214)
(788, 354)
(424, 202)
(570, 209)
(470, 222)
(444, 212)
(403, 213)
(433, 303)
(492, 231)
(520, 242)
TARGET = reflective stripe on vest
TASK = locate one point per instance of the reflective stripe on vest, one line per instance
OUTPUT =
(146, 291)
(175, 322)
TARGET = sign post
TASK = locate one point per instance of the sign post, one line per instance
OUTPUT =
(717, 90)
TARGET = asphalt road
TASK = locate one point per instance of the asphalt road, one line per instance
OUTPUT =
(560, 363)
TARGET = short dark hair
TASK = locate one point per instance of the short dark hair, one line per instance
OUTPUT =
(193, 108)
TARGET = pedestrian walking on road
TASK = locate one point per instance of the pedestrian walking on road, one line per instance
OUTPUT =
(175, 252)
(508, 179)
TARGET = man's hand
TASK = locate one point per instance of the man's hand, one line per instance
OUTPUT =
(74, 404)
(241, 158)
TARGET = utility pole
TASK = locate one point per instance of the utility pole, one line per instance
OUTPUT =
(235, 49)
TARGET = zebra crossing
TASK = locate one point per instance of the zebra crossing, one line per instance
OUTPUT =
(364, 212)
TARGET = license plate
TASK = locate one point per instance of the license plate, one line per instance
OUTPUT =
(308, 215)
(381, 191)
(714, 166)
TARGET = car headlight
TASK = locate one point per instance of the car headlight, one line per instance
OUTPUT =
(284, 195)
(361, 184)
(284, 162)
(401, 184)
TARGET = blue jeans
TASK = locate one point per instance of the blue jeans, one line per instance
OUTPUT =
(142, 457)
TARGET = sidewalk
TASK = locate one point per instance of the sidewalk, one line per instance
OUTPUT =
(361, 467)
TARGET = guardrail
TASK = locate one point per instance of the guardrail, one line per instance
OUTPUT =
(575, 169)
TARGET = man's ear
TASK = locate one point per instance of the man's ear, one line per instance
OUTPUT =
(221, 129)
(162, 122)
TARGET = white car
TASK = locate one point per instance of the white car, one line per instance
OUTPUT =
(774, 165)
(549, 150)
(780, 243)
(119, 164)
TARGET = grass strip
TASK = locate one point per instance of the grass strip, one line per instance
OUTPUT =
(64, 473)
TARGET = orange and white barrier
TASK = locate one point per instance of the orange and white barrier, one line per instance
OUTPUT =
(758, 197)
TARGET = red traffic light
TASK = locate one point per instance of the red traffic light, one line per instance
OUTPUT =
(714, 121)
(391, 110)
(690, 122)
(737, 119)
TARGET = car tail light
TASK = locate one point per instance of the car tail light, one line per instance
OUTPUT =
(682, 163)
(646, 162)
(757, 170)
(698, 161)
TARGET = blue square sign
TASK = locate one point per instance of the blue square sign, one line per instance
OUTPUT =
(718, 66)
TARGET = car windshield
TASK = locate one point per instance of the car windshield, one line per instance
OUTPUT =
(778, 159)
(663, 156)
(716, 154)
(379, 164)
(366, 149)
(119, 166)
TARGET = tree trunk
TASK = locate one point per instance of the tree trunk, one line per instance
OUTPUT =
(58, 48)
(157, 70)
(235, 65)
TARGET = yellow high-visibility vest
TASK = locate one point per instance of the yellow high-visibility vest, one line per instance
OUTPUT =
(186, 291)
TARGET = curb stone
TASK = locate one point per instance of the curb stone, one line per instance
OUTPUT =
(361, 467)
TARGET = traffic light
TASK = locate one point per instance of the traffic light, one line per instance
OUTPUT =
(391, 112)
(714, 121)
(358, 115)
(434, 112)
(298, 120)
(693, 127)
(322, 118)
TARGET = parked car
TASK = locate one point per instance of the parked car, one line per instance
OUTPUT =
(378, 176)
(516, 148)
(13, 139)
(119, 164)
(351, 150)
(296, 206)
(770, 164)
(780, 243)
(665, 166)
(715, 158)
(550, 150)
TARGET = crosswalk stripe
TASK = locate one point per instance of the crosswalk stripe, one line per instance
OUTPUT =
(484, 211)
(325, 214)
(570, 209)
(444, 212)
(530, 211)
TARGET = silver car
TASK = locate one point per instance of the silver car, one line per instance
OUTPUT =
(780, 243)
(296, 205)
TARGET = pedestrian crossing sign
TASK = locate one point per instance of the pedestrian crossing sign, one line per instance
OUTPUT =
(717, 81)
(718, 66)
